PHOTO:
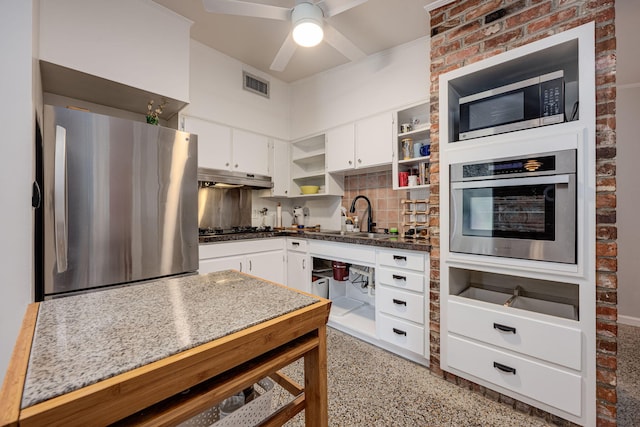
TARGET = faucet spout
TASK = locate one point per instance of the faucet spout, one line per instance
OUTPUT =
(370, 222)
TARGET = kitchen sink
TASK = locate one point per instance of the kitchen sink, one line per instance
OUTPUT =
(351, 234)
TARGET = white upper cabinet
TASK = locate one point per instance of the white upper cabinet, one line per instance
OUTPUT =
(363, 144)
(214, 142)
(374, 141)
(250, 152)
(341, 148)
(221, 147)
(279, 167)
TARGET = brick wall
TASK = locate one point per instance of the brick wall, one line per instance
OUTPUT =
(464, 32)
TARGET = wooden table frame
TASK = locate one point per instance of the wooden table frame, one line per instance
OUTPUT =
(212, 371)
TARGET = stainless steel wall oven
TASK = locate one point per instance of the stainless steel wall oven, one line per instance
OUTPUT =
(518, 207)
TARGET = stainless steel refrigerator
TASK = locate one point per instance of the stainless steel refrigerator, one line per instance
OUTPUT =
(118, 202)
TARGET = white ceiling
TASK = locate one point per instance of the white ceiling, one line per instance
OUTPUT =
(374, 26)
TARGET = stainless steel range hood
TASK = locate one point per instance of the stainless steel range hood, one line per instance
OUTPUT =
(222, 178)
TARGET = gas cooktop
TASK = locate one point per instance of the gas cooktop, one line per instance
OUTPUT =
(207, 232)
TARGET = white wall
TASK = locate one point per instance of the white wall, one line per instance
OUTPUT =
(216, 94)
(16, 175)
(628, 154)
(135, 42)
(378, 83)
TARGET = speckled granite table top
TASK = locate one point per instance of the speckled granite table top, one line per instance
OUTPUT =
(84, 339)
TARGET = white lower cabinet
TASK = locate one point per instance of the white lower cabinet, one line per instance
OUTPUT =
(401, 333)
(545, 383)
(401, 306)
(298, 264)
(263, 258)
(547, 341)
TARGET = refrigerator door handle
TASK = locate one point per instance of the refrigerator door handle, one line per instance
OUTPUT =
(60, 198)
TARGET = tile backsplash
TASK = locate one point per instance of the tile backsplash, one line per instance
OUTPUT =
(385, 201)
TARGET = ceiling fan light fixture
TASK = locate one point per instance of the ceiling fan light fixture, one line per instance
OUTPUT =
(307, 24)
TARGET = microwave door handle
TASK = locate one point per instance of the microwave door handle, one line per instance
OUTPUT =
(513, 182)
(60, 198)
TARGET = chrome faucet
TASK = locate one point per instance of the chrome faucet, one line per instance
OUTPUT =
(370, 223)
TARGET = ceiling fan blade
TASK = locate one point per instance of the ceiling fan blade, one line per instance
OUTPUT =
(244, 8)
(284, 54)
(333, 7)
(341, 43)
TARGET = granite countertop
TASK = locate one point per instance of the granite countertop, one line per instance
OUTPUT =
(385, 241)
(83, 339)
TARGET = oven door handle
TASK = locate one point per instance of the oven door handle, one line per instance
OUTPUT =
(513, 182)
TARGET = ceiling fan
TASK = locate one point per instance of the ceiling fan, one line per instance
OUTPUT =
(308, 19)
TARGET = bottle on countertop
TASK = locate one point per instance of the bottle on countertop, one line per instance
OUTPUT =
(356, 224)
(279, 215)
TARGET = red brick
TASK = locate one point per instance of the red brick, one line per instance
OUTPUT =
(483, 33)
(607, 280)
(606, 409)
(482, 9)
(605, 31)
(551, 20)
(528, 15)
(606, 264)
(522, 407)
(450, 377)
(607, 329)
(445, 49)
(605, 422)
(462, 55)
(606, 153)
(605, 169)
(605, 79)
(607, 394)
(606, 46)
(606, 312)
(605, 184)
(606, 249)
(502, 39)
(608, 14)
(605, 216)
(463, 30)
(605, 200)
(608, 361)
(606, 376)
(459, 8)
(606, 345)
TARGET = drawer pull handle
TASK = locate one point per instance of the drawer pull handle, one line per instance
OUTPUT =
(504, 328)
(396, 277)
(399, 331)
(399, 258)
(295, 243)
(504, 368)
(399, 302)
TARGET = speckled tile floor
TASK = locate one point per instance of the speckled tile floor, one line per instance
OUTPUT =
(372, 387)
(628, 376)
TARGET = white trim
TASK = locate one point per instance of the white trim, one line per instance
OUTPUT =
(436, 4)
(629, 320)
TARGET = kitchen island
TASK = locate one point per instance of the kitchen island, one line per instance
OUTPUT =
(104, 357)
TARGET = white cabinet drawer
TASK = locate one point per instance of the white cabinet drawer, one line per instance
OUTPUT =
(401, 279)
(294, 244)
(396, 302)
(546, 384)
(358, 254)
(544, 340)
(400, 333)
(402, 259)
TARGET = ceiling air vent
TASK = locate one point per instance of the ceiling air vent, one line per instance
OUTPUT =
(255, 84)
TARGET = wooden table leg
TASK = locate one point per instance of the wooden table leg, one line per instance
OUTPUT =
(315, 383)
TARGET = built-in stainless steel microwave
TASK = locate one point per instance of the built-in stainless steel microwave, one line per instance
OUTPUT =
(534, 102)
